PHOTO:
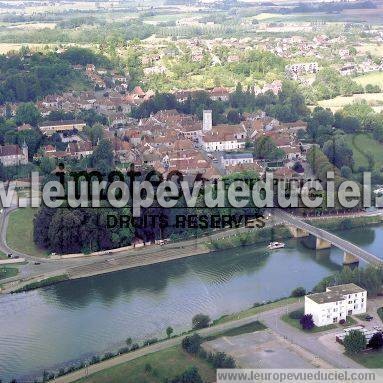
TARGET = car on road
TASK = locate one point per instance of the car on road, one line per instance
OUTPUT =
(368, 318)
(37, 263)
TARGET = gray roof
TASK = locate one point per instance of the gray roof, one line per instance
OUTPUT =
(348, 288)
(326, 297)
(335, 293)
(237, 155)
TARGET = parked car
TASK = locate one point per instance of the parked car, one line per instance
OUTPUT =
(368, 317)
(37, 263)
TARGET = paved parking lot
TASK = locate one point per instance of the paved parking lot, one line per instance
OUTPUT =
(261, 349)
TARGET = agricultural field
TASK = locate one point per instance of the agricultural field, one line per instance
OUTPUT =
(373, 78)
(374, 49)
(373, 147)
(375, 100)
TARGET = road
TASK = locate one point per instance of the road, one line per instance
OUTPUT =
(309, 342)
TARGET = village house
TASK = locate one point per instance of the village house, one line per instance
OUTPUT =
(79, 149)
(233, 159)
(336, 303)
(302, 68)
(48, 128)
(11, 155)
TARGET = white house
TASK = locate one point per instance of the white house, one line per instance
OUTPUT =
(12, 155)
(233, 159)
(336, 303)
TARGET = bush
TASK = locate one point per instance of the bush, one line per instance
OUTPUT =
(135, 346)
(123, 350)
(191, 375)
(342, 321)
(95, 359)
(307, 322)
(148, 342)
(298, 292)
(221, 360)
(108, 355)
(192, 344)
(200, 321)
(376, 342)
(296, 314)
(354, 342)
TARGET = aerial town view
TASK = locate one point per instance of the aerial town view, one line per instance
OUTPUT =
(191, 191)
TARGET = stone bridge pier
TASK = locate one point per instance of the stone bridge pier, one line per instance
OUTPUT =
(296, 232)
(321, 244)
(350, 259)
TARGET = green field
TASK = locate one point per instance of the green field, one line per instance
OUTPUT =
(20, 232)
(362, 143)
(374, 78)
(165, 364)
(7, 272)
(371, 359)
(375, 100)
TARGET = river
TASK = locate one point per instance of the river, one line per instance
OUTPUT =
(47, 327)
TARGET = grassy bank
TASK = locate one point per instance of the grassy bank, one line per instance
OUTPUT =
(257, 309)
(20, 232)
(158, 367)
(345, 223)
(245, 329)
(45, 282)
(250, 237)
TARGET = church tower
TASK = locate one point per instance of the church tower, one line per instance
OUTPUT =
(24, 148)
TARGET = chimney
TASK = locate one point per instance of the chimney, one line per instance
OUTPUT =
(207, 123)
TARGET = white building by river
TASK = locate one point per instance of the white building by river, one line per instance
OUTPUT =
(336, 303)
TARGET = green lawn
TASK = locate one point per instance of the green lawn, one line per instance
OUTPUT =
(3, 255)
(20, 232)
(370, 359)
(374, 78)
(380, 313)
(7, 272)
(165, 364)
(255, 310)
(361, 143)
(350, 321)
(295, 323)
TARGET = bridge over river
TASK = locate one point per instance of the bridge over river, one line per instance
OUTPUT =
(324, 239)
